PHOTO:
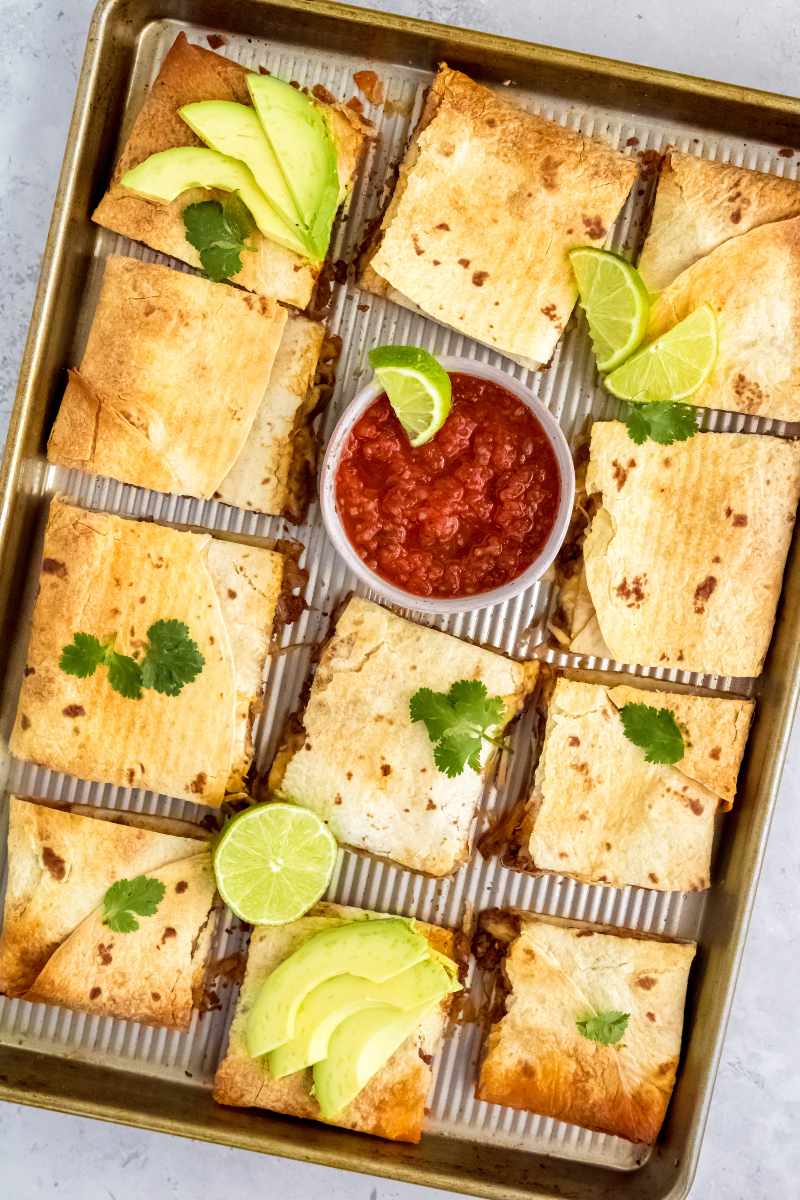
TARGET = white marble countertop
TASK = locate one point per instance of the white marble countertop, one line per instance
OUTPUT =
(752, 1148)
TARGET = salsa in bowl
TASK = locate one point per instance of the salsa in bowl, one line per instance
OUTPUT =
(470, 518)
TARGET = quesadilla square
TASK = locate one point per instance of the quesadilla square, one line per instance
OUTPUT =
(392, 1105)
(700, 205)
(192, 387)
(729, 237)
(489, 200)
(676, 532)
(358, 760)
(751, 283)
(553, 978)
(601, 813)
(55, 947)
(191, 74)
(113, 579)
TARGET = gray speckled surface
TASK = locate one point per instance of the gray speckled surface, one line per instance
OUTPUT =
(752, 1148)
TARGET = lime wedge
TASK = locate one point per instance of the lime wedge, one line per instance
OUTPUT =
(672, 367)
(616, 303)
(273, 862)
(418, 388)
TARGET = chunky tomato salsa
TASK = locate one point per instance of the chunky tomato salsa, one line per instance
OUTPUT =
(463, 514)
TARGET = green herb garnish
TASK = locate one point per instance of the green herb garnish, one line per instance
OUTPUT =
(458, 722)
(141, 895)
(170, 661)
(219, 232)
(662, 421)
(607, 1028)
(86, 653)
(653, 730)
(124, 674)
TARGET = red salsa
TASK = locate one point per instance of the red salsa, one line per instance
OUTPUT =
(464, 514)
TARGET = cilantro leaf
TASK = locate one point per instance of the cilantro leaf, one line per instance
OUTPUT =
(435, 709)
(124, 675)
(472, 702)
(172, 658)
(455, 751)
(219, 232)
(635, 420)
(141, 895)
(608, 1028)
(653, 730)
(661, 421)
(83, 655)
(458, 722)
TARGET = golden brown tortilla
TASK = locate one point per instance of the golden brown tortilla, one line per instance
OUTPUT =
(362, 764)
(601, 813)
(701, 204)
(684, 557)
(269, 475)
(175, 372)
(535, 1058)
(104, 575)
(752, 282)
(489, 200)
(54, 946)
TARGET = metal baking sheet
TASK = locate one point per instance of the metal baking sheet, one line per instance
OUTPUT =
(470, 1145)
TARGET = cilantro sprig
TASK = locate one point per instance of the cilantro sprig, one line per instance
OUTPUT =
(126, 897)
(171, 660)
(662, 421)
(219, 230)
(653, 730)
(458, 723)
(608, 1028)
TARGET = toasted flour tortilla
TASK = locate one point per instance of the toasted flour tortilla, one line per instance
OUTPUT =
(188, 74)
(701, 204)
(104, 575)
(489, 200)
(752, 282)
(535, 1058)
(274, 471)
(194, 387)
(54, 946)
(677, 531)
(392, 1105)
(363, 765)
(601, 813)
(174, 373)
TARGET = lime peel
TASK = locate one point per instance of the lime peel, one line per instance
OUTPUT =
(273, 862)
(615, 301)
(672, 367)
(418, 388)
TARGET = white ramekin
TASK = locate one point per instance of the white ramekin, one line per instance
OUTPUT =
(433, 604)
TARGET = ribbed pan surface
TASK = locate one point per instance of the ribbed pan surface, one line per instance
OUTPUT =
(570, 389)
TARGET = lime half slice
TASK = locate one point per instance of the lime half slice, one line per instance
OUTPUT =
(273, 862)
(418, 388)
(672, 367)
(616, 303)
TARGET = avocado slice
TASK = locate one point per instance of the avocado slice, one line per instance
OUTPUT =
(301, 139)
(235, 130)
(374, 950)
(358, 1049)
(324, 1009)
(165, 175)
